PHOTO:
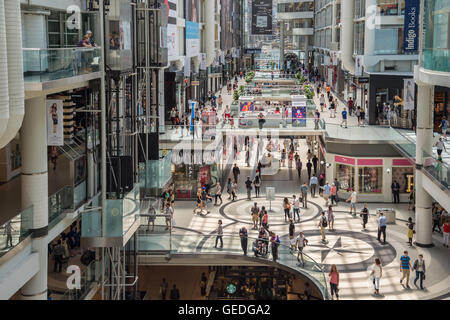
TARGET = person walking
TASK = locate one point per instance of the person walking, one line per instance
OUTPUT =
(218, 194)
(405, 267)
(234, 190)
(261, 120)
(315, 161)
(255, 215)
(291, 234)
(419, 266)
(296, 207)
(248, 186)
(163, 287)
(275, 241)
(236, 172)
(411, 231)
(344, 118)
(382, 227)
(330, 218)
(436, 219)
(265, 220)
(257, 184)
(219, 236)
(446, 232)
(58, 252)
(287, 209)
(262, 212)
(440, 146)
(352, 199)
(326, 192)
(298, 166)
(301, 242)
(338, 185)
(308, 168)
(322, 225)
(243, 234)
(322, 102)
(334, 281)
(333, 192)
(174, 293)
(304, 191)
(395, 187)
(316, 119)
(313, 184)
(376, 274)
(8, 232)
(365, 215)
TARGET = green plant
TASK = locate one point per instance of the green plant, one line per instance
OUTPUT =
(236, 95)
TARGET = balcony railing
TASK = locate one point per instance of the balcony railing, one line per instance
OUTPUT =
(42, 65)
(16, 230)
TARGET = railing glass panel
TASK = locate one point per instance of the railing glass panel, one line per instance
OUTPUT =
(16, 230)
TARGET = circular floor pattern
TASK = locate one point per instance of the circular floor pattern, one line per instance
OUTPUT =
(351, 251)
(239, 211)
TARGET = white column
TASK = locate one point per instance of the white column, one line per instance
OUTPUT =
(370, 28)
(334, 22)
(209, 32)
(282, 27)
(35, 190)
(423, 143)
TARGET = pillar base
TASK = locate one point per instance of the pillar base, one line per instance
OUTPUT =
(424, 245)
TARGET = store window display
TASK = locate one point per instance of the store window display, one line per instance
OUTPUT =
(346, 176)
(405, 177)
(370, 179)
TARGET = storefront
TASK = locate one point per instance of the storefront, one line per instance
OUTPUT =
(371, 177)
(441, 106)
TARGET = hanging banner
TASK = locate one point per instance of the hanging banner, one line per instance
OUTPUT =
(298, 116)
(55, 123)
(222, 57)
(408, 94)
(358, 66)
(262, 17)
(202, 61)
(247, 106)
(411, 27)
(187, 66)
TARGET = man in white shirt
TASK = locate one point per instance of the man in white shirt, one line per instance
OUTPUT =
(300, 243)
(440, 146)
(352, 200)
(296, 207)
(313, 185)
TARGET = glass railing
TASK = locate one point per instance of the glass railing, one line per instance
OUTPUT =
(163, 240)
(58, 203)
(157, 172)
(89, 277)
(41, 65)
(16, 230)
(436, 59)
(439, 170)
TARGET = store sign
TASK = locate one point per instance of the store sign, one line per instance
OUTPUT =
(345, 160)
(358, 66)
(262, 17)
(411, 26)
(363, 79)
(408, 94)
(195, 83)
(55, 123)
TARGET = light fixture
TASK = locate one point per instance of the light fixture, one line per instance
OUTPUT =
(388, 170)
(328, 164)
(321, 162)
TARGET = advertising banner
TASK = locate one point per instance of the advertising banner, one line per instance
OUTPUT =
(222, 57)
(192, 39)
(202, 61)
(358, 66)
(411, 27)
(262, 17)
(187, 66)
(172, 43)
(55, 123)
(246, 106)
(299, 116)
(408, 94)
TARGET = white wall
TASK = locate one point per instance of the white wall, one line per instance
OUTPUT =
(56, 4)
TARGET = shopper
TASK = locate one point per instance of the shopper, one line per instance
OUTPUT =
(304, 191)
(234, 190)
(243, 234)
(229, 188)
(175, 293)
(316, 119)
(334, 281)
(218, 194)
(352, 199)
(322, 225)
(291, 230)
(326, 192)
(262, 212)
(365, 215)
(446, 232)
(330, 214)
(313, 184)
(301, 242)
(382, 227)
(405, 267)
(58, 252)
(344, 118)
(411, 231)
(255, 215)
(205, 198)
(287, 209)
(275, 241)
(249, 186)
(315, 161)
(376, 274)
(170, 222)
(436, 219)
(333, 193)
(296, 207)
(236, 172)
(298, 165)
(308, 168)
(257, 184)
(283, 157)
(419, 266)
(440, 146)
(261, 120)
(265, 220)
(163, 288)
(395, 187)
(8, 232)
(219, 235)
(322, 102)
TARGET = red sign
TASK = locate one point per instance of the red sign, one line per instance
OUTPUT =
(345, 160)
(205, 175)
(402, 162)
(370, 162)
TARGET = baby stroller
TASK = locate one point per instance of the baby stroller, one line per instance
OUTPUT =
(260, 248)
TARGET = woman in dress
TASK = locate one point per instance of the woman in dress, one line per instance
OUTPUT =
(287, 209)
(283, 157)
(330, 218)
(376, 274)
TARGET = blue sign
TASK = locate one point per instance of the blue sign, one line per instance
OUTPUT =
(299, 116)
(192, 30)
(411, 25)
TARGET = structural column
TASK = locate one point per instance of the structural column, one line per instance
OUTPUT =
(282, 27)
(35, 189)
(424, 143)
(334, 22)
